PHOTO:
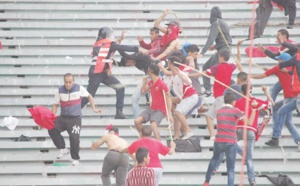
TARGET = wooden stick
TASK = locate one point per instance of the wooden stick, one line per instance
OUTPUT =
(214, 80)
(175, 14)
(257, 65)
(168, 117)
(135, 132)
(205, 102)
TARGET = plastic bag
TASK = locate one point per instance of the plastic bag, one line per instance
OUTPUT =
(10, 122)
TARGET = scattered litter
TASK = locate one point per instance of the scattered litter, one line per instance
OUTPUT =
(10, 122)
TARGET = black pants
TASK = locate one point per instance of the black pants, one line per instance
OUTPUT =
(263, 13)
(73, 126)
(213, 60)
(108, 80)
(290, 6)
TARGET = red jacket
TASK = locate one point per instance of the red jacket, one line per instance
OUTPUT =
(154, 48)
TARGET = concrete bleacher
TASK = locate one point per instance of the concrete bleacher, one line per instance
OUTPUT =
(44, 39)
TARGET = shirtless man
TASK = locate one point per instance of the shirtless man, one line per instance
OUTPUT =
(169, 41)
(113, 160)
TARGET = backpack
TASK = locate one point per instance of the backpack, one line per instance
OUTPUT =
(23, 138)
(189, 145)
(280, 180)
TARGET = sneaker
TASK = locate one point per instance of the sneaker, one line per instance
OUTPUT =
(290, 27)
(187, 135)
(274, 142)
(298, 146)
(207, 93)
(205, 184)
(75, 162)
(253, 183)
(63, 153)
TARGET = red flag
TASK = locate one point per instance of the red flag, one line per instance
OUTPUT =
(43, 116)
(261, 126)
(277, 5)
(258, 53)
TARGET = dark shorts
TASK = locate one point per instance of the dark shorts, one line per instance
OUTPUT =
(152, 115)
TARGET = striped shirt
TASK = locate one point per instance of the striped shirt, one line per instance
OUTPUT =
(141, 176)
(227, 118)
(70, 100)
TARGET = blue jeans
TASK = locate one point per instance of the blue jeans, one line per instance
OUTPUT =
(274, 91)
(230, 152)
(282, 113)
(298, 102)
(249, 151)
(135, 98)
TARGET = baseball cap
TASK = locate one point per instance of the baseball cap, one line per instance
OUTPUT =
(175, 23)
(283, 57)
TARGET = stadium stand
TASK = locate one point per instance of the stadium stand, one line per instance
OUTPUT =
(44, 39)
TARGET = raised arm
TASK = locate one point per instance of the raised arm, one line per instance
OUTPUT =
(159, 20)
(265, 90)
(238, 62)
(268, 52)
(142, 43)
(120, 39)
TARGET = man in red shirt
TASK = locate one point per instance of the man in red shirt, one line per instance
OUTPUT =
(157, 111)
(153, 48)
(222, 72)
(282, 111)
(287, 46)
(155, 147)
(141, 175)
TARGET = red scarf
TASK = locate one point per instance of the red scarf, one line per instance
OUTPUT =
(167, 38)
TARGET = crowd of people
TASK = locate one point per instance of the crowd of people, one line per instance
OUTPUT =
(172, 88)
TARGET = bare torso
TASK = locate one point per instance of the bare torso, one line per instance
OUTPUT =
(115, 142)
